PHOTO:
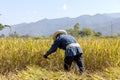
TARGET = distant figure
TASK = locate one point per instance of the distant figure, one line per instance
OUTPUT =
(73, 52)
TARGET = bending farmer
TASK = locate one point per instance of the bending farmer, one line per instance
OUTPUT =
(73, 52)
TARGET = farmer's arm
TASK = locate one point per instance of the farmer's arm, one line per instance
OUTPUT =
(53, 47)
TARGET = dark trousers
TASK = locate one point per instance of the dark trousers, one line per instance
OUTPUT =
(77, 59)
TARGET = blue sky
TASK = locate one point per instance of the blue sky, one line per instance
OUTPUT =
(19, 11)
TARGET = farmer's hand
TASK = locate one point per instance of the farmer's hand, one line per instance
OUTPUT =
(45, 56)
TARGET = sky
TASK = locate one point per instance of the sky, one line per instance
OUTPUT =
(20, 11)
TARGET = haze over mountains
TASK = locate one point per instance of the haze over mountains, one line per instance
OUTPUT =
(100, 22)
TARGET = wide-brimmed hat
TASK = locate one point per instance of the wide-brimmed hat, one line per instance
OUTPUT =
(58, 32)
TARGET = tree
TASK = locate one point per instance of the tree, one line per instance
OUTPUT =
(3, 26)
(87, 32)
(14, 34)
(25, 36)
(75, 31)
(77, 27)
(98, 34)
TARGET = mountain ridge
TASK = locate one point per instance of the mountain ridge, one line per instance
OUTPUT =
(45, 27)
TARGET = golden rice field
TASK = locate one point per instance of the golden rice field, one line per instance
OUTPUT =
(22, 59)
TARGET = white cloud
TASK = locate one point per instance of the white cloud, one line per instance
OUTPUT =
(65, 7)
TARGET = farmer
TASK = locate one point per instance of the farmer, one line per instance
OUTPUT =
(73, 52)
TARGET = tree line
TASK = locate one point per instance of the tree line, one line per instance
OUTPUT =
(76, 32)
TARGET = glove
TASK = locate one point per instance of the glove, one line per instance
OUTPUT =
(45, 56)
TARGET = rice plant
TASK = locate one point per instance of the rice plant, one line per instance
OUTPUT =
(17, 53)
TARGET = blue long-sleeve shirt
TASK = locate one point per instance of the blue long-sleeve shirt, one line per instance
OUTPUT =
(61, 42)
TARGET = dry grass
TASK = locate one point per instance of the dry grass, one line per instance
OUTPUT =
(16, 54)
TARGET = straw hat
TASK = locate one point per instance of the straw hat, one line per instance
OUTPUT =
(58, 32)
